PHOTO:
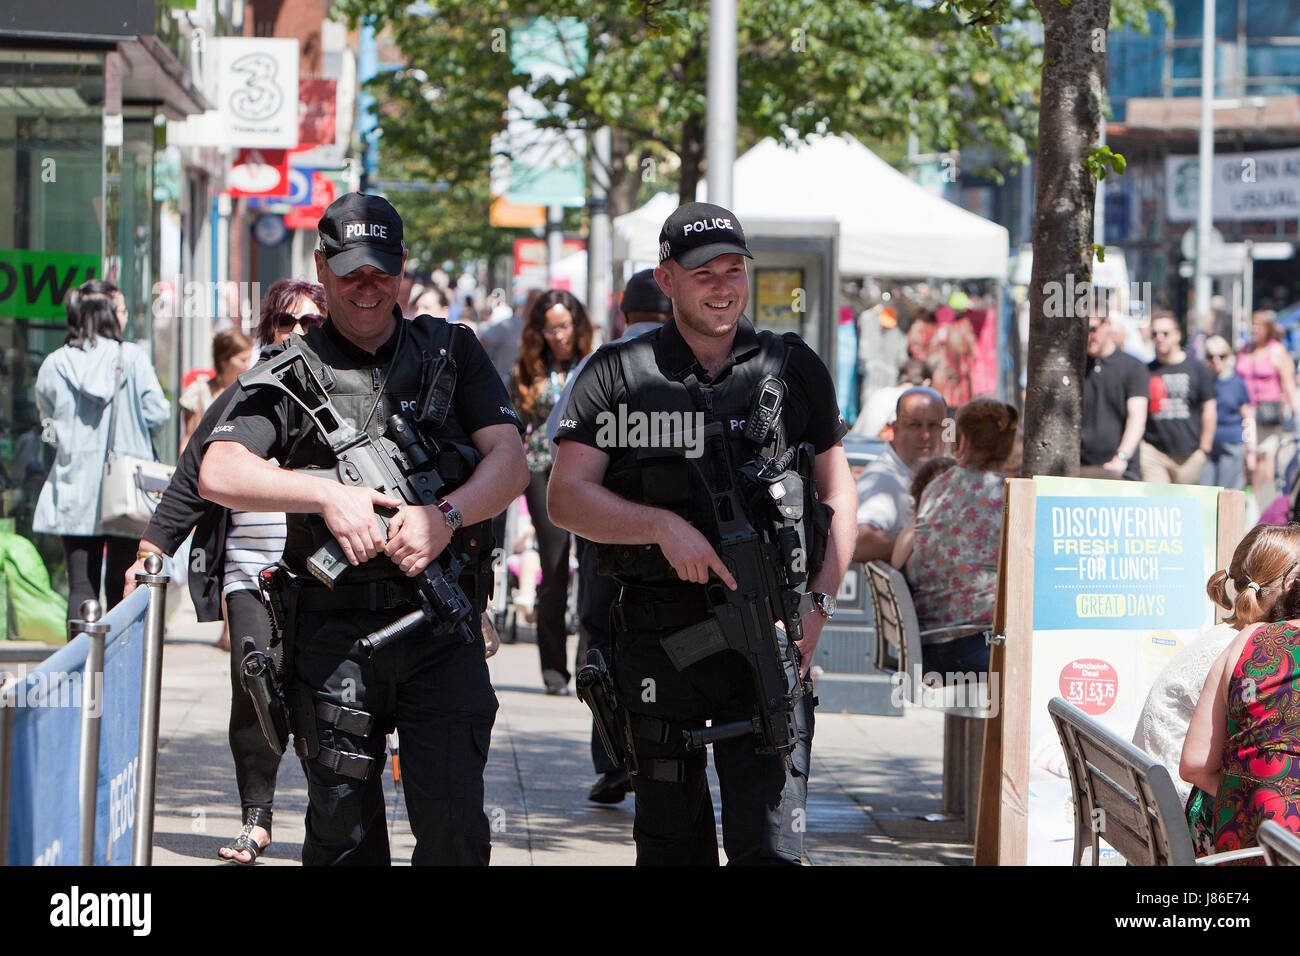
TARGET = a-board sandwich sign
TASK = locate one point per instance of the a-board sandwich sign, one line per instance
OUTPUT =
(1117, 573)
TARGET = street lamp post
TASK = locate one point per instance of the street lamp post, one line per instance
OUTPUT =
(720, 140)
(1204, 220)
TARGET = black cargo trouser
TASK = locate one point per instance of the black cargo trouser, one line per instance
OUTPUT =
(763, 805)
(435, 690)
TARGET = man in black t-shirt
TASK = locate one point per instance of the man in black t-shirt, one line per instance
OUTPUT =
(1114, 407)
(432, 686)
(1182, 412)
(704, 364)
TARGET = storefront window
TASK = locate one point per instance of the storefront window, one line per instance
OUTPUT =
(51, 187)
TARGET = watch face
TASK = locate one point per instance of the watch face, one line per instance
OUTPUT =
(826, 604)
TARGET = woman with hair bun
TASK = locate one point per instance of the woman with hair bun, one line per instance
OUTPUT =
(1162, 726)
(953, 566)
(1243, 743)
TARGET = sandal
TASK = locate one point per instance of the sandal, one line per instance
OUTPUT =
(244, 843)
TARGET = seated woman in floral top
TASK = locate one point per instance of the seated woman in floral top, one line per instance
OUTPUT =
(556, 334)
(953, 567)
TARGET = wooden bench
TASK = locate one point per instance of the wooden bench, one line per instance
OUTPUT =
(1125, 796)
(898, 652)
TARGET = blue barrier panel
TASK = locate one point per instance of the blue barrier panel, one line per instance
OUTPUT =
(43, 812)
(119, 730)
(47, 705)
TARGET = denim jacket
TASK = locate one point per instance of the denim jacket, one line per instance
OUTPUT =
(74, 396)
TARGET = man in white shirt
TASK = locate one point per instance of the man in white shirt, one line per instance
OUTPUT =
(882, 407)
(884, 501)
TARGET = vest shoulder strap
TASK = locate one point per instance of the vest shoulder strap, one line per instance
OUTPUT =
(637, 361)
(432, 333)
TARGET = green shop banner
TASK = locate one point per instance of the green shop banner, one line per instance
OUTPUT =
(33, 284)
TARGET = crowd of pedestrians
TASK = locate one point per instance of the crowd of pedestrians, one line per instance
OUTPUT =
(1207, 416)
(931, 504)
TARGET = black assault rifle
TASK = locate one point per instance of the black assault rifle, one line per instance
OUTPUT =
(743, 620)
(401, 465)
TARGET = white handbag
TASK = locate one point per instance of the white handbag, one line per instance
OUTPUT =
(132, 486)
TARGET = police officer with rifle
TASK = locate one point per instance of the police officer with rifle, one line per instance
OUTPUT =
(704, 460)
(390, 444)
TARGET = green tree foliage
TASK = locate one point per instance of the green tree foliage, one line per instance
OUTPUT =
(876, 70)
(1071, 161)
(444, 221)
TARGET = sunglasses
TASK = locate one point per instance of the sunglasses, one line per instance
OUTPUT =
(1161, 333)
(285, 321)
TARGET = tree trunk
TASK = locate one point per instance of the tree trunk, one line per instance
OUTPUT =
(1069, 125)
(624, 183)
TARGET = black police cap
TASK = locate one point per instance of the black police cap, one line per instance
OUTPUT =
(698, 232)
(360, 230)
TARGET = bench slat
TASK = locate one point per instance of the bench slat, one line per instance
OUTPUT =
(1105, 760)
(1119, 806)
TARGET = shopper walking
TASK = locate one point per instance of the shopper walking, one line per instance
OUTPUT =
(94, 385)
(556, 334)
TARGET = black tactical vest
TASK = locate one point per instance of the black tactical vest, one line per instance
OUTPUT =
(367, 395)
(667, 477)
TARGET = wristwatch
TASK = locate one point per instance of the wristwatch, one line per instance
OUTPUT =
(450, 513)
(823, 604)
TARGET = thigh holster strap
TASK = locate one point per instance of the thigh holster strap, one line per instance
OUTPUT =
(357, 766)
(664, 771)
(645, 727)
(347, 719)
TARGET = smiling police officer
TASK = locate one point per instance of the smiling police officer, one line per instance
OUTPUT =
(433, 687)
(710, 365)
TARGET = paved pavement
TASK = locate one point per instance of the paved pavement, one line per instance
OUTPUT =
(874, 779)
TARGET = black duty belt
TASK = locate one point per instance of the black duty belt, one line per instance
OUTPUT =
(373, 596)
(647, 610)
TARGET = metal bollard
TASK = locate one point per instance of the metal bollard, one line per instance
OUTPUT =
(150, 702)
(6, 762)
(88, 765)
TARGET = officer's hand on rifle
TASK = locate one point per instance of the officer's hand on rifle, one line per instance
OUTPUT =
(690, 553)
(416, 535)
(811, 624)
(349, 513)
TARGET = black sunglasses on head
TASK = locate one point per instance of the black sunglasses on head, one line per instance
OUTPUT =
(285, 321)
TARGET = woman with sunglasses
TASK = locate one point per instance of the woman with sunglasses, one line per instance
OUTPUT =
(230, 548)
(1233, 454)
